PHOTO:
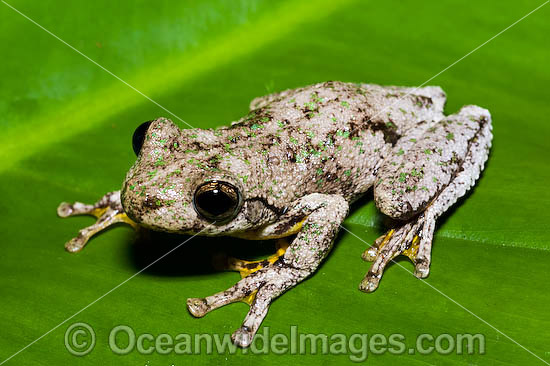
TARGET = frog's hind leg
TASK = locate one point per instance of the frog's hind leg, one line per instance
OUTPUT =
(427, 98)
(419, 185)
(108, 211)
(245, 268)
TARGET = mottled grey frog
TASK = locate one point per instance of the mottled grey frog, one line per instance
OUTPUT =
(291, 168)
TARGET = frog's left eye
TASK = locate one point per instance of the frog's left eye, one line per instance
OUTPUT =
(217, 201)
(139, 136)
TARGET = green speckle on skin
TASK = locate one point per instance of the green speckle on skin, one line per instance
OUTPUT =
(334, 119)
(310, 134)
(345, 104)
(342, 133)
(256, 126)
(403, 111)
(347, 172)
(390, 125)
(280, 124)
(416, 173)
(400, 152)
(432, 129)
(402, 177)
(194, 136)
(293, 140)
(412, 140)
(319, 171)
(424, 188)
(450, 136)
(265, 119)
(428, 151)
(310, 105)
(244, 178)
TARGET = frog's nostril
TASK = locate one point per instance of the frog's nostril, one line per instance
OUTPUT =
(139, 136)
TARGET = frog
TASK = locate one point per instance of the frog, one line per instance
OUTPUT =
(289, 170)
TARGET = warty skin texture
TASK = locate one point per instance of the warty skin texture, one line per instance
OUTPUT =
(298, 160)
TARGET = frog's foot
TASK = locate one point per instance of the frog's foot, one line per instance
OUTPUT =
(108, 211)
(262, 286)
(245, 268)
(413, 239)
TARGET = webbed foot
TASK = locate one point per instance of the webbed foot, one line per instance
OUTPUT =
(413, 239)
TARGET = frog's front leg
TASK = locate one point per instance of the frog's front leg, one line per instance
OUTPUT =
(323, 216)
(420, 182)
(108, 211)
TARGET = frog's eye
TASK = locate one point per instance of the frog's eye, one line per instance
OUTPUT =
(139, 136)
(217, 201)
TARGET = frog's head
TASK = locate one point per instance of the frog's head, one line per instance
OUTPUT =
(168, 189)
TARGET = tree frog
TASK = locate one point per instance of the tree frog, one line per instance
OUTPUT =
(290, 169)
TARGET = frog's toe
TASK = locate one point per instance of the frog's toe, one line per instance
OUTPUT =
(422, 268)
(242, 337)
(370, 254)
(370, 282)
(197, 307)
(64, 209)
(76, 244)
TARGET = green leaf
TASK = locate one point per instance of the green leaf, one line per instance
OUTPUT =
(66, 136)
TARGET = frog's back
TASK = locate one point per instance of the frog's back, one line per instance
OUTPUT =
(328, 137)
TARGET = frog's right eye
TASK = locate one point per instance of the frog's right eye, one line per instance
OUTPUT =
(217, 201)
(139, 136)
